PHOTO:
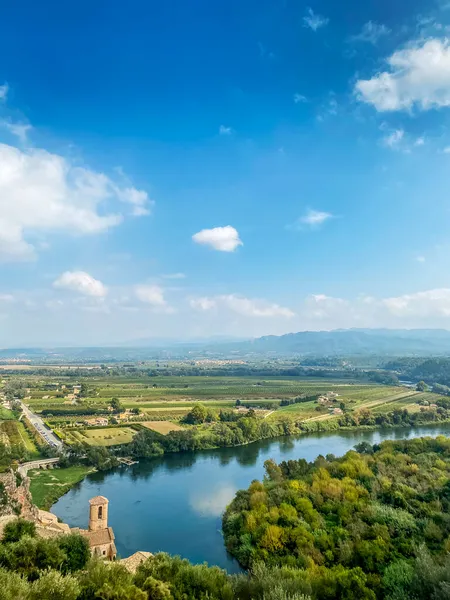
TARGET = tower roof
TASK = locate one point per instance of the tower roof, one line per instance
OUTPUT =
(98, 500)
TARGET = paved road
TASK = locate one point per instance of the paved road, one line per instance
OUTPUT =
(48, 436)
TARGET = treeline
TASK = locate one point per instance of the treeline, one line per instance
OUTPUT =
(147, 443)
(396, 417)
(431, 370)
(372, 524)
(190, 370)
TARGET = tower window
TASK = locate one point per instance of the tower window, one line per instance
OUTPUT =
(100, 512)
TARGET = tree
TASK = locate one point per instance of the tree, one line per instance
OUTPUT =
(115, 405)
(77, 551)
(157, 590)
(84, 390)
(197, 415)
(54, 586)
(422, 386)
(15, 530)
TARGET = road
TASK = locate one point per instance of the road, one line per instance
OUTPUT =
(48, 436)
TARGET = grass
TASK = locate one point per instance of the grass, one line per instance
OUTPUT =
(163, 427)
(110, 436)
(47, 486)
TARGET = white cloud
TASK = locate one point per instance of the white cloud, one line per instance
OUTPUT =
(225, 239)
(320, 306)
(20, 130)
(420, 141)
(150, 294)
(419, 76)
(447, 150)
(203, 303)
(41, 192)
(4, 89)
(225, 130)
(174, 276)
(371, 33)
(420, 259)
(243, 306)
(139, 200)
(6, 298)
(315, 218)
(431, 303)
(314, 21)
(81, 282)
(394, 139)
(298, 98)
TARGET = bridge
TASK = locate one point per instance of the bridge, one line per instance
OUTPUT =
(45, 463)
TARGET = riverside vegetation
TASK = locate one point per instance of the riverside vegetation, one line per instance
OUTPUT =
(372, 524)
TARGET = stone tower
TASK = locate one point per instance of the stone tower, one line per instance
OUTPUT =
(98, 513)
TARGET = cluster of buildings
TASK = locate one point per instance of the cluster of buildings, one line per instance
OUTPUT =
(327, 401)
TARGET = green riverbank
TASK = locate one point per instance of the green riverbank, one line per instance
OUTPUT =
(47, 486)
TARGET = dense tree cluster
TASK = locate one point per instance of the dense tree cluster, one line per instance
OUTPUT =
(369, 524)
(225, 433)
(431, 370)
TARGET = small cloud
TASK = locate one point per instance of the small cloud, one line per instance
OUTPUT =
(315, 218)
(329, 109)
(246, 307)
(299, 98)
(225, 130)
(20, 130)
(174, 276)
(314, 21)
(420, 141)
(202, 303)
(6, 298)
(150, 294)
(138, 199)
(446, 150)
(371, 33)
(225, 239)
(394, 139)
(82, 283)
(420, 259)
(4, 89)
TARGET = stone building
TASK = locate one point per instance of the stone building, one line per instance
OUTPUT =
(99, 535)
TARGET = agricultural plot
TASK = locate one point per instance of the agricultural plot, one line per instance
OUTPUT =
(106, 436)
(163, 427)
(14, 434)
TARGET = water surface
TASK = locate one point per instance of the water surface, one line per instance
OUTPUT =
(174, 503)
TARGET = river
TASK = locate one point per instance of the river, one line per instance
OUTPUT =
(174, 503)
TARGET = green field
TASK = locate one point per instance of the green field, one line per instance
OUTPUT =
(14, 434)
(375, 398)
(104, 436)
(46, 486)
(158, 391)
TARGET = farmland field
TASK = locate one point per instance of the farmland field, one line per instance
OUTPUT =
(106, 436)
(161, 392)
(162, 427)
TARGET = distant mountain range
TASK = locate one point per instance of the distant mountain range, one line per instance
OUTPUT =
(396, 342)
(340, 342)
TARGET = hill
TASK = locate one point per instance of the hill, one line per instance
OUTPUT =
(389, 342)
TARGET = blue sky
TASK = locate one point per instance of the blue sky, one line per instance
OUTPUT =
(181, 170)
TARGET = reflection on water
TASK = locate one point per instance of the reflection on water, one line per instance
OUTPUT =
(174, 503)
